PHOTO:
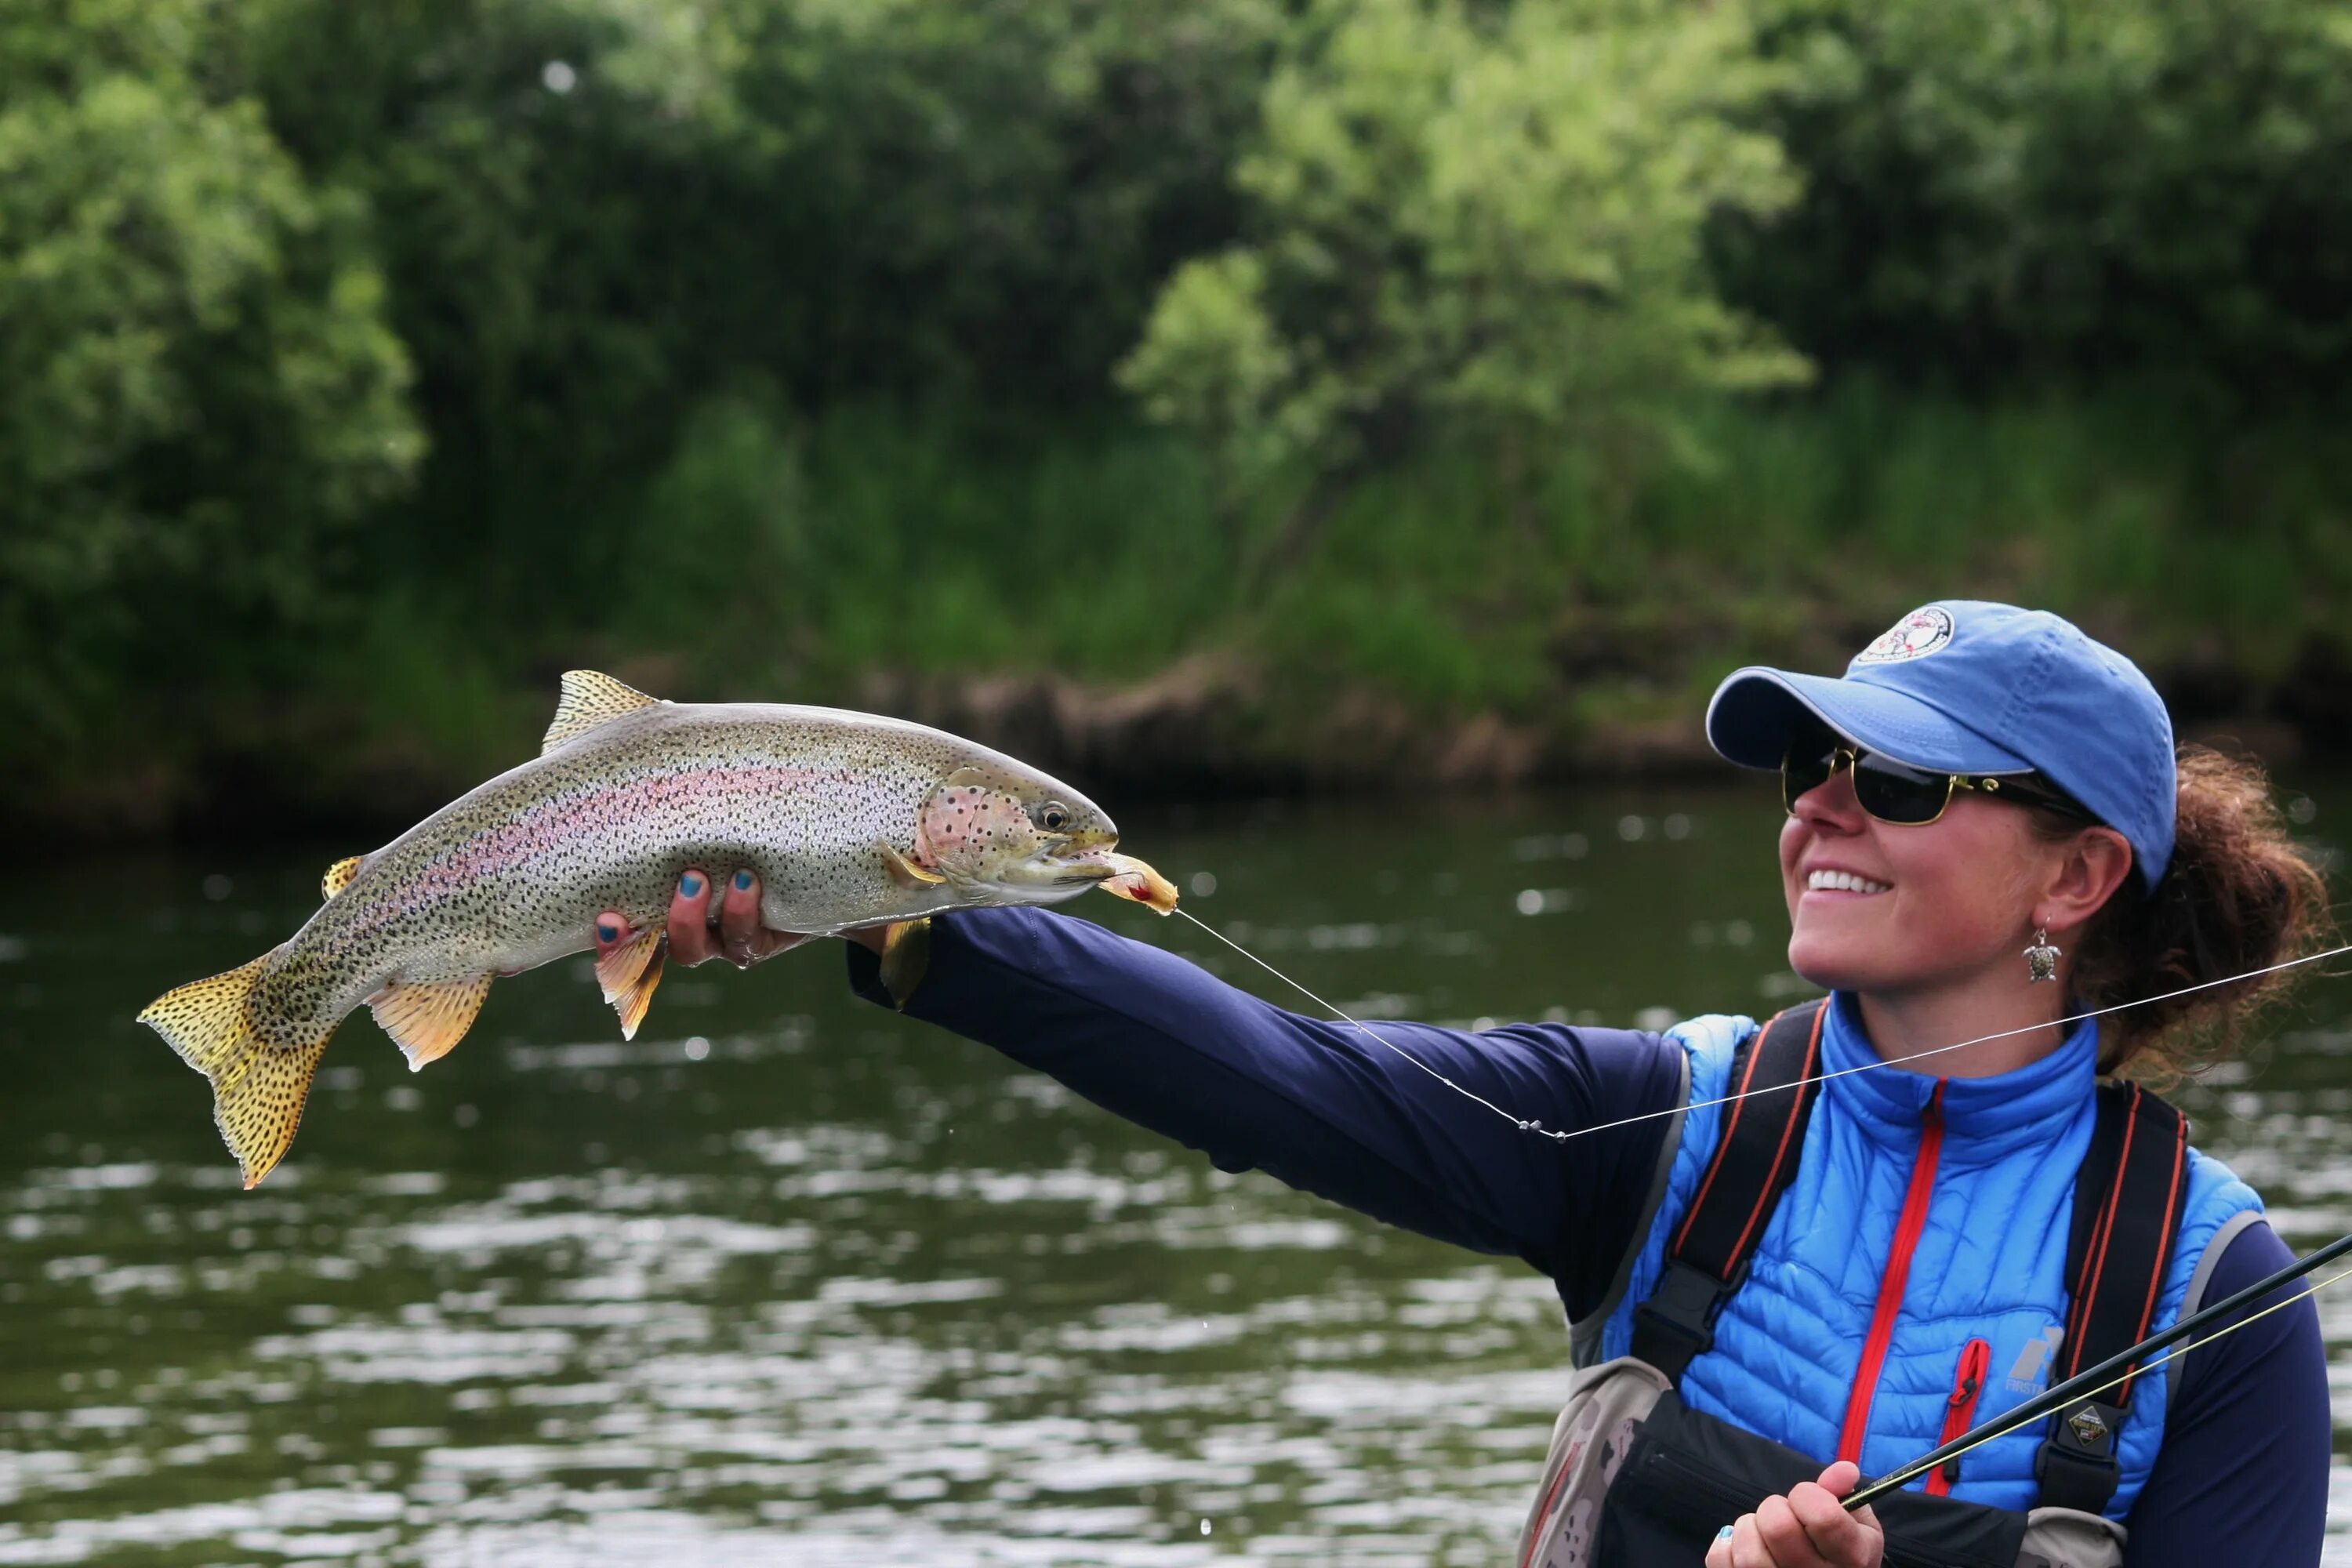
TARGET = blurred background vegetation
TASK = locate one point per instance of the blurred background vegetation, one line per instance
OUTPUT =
(1235, 393)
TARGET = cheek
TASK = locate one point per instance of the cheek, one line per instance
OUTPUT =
(970, 831)
(1970, 883)
(1793, 845)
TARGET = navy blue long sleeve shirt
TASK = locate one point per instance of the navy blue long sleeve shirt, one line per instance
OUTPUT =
(2243, 1474)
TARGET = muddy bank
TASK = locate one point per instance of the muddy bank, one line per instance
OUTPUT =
(1207, 728)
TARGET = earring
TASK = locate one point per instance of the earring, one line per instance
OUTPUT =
(2041, 959)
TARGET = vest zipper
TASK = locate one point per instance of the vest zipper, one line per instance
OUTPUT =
(1907, 1228)
(1960, 1412)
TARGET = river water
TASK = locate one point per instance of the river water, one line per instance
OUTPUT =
(792, 1280)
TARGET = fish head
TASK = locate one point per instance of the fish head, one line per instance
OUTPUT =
(1013, 833)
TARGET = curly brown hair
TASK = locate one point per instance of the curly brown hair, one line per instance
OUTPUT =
(2238, 895)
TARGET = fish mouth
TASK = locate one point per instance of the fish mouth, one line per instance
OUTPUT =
(1102, 867)
(1079, 859)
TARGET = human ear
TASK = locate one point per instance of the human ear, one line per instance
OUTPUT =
(2088, 869)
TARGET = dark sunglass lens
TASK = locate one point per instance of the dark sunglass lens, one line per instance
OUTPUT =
(1805, 767)
(1893, 792)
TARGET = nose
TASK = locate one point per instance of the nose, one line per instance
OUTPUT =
(1830, 805)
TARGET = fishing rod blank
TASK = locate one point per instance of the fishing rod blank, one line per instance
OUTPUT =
(2098, 1377)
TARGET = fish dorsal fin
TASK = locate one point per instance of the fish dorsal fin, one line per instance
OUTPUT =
(590, 699)
(339, 876)
(426, 1020)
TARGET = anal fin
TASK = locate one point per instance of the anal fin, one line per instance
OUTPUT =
(906, 953)
(426, 1020)
(629, 973)
(339, 876)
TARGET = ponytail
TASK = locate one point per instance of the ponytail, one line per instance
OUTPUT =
(2238, 895)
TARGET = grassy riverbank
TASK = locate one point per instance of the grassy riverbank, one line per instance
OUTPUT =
(1080, 595)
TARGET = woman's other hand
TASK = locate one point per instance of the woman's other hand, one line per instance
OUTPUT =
(736, 935)
(1806, 1529)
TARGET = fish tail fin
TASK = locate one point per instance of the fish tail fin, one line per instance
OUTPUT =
(259, 1080)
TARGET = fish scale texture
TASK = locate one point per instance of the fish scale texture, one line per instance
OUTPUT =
(825, 806)
(1990, 1262)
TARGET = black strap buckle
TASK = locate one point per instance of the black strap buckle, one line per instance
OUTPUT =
(2076, 1463)
(1677, 1324)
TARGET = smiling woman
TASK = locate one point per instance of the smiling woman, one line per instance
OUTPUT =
(1782, 1269)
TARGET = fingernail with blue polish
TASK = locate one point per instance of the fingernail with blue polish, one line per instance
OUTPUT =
(690, 885)
(606, 931)
(1725, 1533)
(743, 881)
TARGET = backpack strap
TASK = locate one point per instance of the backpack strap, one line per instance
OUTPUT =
(2128, 1199)
(1755, 1161)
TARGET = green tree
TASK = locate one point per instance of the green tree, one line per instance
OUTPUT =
(198, 386)
(1475, 220)
(1997, 192)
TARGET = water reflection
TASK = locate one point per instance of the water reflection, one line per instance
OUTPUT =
(790, 1280)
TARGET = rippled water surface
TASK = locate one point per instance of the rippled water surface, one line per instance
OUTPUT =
(792, 1280)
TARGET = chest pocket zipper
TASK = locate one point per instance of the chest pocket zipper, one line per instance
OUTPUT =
(1960, 1412)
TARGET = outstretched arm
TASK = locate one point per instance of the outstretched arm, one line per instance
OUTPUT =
(1316, 1104)
(1320, 1103)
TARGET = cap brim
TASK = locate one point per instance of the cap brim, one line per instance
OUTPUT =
(1755, 710)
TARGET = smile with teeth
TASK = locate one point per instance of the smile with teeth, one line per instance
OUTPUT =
(1827, 880)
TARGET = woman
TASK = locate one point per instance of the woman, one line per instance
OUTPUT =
(1987, 800)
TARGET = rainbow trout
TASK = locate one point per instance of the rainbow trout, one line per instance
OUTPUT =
(850, 819)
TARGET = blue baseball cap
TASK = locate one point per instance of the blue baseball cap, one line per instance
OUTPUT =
(1965, 687)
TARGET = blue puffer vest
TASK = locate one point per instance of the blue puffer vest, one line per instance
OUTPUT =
(1988, 1263)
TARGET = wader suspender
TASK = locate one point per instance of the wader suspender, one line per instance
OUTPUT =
(1755, 1161)
(2126, 1220)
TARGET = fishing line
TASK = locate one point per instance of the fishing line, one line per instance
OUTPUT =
(1560, 1136)
(1920, 1467)
(2033, 1411)
(1468, 1094)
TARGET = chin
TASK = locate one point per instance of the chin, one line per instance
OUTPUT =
(1820, 964)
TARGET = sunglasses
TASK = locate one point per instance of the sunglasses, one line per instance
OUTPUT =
(1893, 793)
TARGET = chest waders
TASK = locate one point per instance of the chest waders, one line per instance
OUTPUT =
(1635, 1479)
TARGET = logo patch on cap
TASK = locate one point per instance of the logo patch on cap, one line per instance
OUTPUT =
(1915, 636)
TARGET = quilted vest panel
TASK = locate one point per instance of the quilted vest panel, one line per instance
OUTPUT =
(1990, 1262)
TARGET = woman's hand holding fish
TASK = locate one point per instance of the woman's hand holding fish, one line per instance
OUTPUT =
(696, 937)
(1806, 1529)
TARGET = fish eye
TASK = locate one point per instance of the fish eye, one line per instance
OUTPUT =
(1052, 815)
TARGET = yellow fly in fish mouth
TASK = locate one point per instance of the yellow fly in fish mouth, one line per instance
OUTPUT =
(849, 820)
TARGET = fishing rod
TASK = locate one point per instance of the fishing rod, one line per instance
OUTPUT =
(2116, 1368)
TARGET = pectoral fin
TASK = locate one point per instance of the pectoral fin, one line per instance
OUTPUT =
(906, 953)
(426, 1019)
(904, 872)
(629, 973)
(339, 876)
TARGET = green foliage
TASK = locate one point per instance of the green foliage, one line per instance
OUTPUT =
(193, 349)
(1996, 191)
(362, 364)
(1486, 221)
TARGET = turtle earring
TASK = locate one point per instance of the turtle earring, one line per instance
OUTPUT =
(2041, 959)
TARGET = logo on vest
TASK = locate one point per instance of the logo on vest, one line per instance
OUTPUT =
(2031, 1368)
(1915, 636)
(2089, 1430)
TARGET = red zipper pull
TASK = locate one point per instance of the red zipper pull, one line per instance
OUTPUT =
(1959, 1411)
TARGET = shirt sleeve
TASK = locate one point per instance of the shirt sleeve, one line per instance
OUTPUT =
(2243, 1475)
(1317, 1103)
